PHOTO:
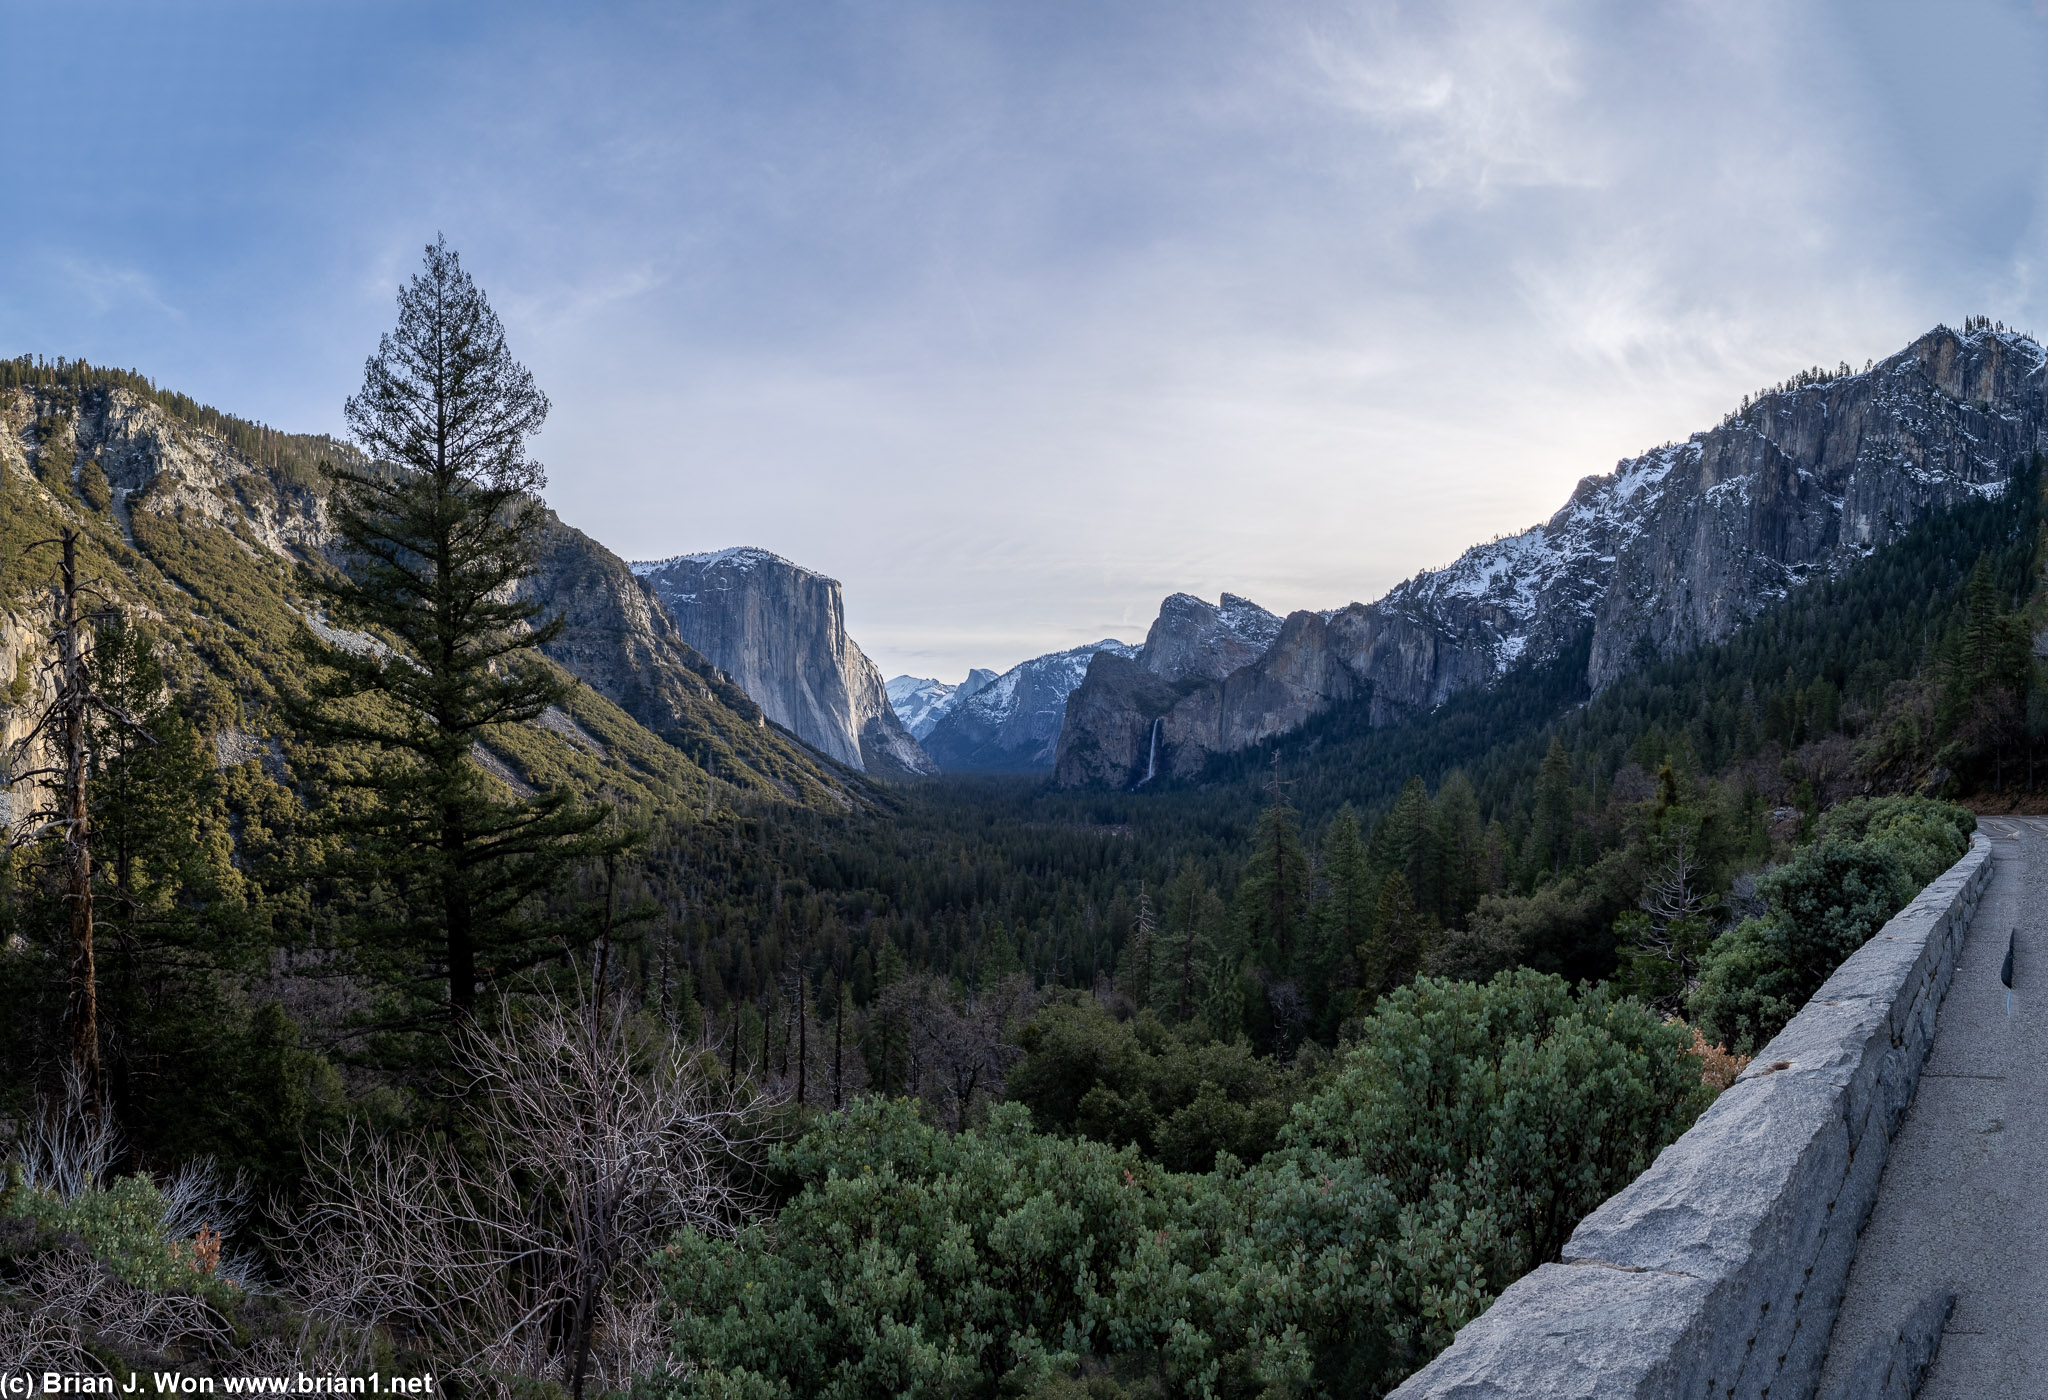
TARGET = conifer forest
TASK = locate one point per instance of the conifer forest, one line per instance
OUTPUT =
(378, 994)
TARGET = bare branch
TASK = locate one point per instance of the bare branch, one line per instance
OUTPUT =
(526, 1254)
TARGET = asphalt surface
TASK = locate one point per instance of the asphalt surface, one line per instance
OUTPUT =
(1963, 1203)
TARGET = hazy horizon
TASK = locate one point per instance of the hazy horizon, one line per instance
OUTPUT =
(1016, 321)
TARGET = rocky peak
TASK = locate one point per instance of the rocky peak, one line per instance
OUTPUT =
(1675, 548)
(1013, 723)
(1194, 638)
(779, 630)
(922, 701)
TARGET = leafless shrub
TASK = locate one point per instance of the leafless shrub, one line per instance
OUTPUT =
(68, 1302)
(66, 1148)
(956, 1048)
(593, 1139)
(35, 1340)
(199, 1201)
(80, 1294)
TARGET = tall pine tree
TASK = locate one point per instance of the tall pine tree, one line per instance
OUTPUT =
(1550, 833)
(1273, 891)
(1344, 916)
(1188, 942)
(438, 533)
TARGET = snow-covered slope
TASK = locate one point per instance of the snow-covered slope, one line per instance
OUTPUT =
(1013, 722)
(1673, 549)
(922, 701)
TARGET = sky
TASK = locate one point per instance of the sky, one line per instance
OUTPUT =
(1017, 317)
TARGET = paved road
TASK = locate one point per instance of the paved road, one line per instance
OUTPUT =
(1963, 1204)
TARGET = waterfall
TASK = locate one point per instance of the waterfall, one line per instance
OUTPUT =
(1152, 758)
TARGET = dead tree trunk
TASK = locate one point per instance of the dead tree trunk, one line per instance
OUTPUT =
(64, 738)
(73, 695)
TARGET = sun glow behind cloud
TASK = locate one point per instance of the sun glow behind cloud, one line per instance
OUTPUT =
(1016, 319)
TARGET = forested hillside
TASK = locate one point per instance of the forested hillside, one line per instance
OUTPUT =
(1259, 1081)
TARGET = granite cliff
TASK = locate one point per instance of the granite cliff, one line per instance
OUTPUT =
(201, 523)
(780, 631)
(1191, 639)
(1673, 549)
(1012, 722)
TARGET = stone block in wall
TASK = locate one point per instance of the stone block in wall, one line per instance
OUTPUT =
(1575, 1332)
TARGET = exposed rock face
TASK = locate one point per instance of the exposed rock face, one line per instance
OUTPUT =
(183, 471)
(780, 631)
(1109, 721)
(1676, 548)
(1193, 638)
(922, 701)
(618, 639)
(1013, 723)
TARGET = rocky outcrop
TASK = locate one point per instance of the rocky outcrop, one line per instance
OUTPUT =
(922, 701)
(1110, 722)
(1676, 548)
(620, 641)
(1013, 723)
(779, 630)
(1191, 638)
(1128, 723)
(177, 484)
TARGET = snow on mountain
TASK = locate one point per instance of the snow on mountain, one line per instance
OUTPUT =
(1012, 722)
(1674, 549)
(740, 557)
(922, 701)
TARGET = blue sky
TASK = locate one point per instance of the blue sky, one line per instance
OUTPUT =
(1017, 317)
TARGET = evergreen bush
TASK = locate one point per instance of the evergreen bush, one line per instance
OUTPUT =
(1454, 1149)
(1871, 856)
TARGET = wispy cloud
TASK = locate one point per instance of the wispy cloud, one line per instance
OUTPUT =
(1472, 95)
(1017, 318)
(105, 288)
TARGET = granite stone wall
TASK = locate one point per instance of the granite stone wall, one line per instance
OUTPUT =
(1718, 1272)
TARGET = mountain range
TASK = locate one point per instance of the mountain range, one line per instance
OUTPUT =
(922, 701)
(1012, 723)
(1673, 549)
(738, 664)
(205, 524)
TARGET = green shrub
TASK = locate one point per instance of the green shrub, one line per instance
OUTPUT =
(914, 1262)
(1180, 1099)
(1869, 858)
(1454, 1148)
(1925, 836)
(1747, 990)
(93, 486)
(121, 1224)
